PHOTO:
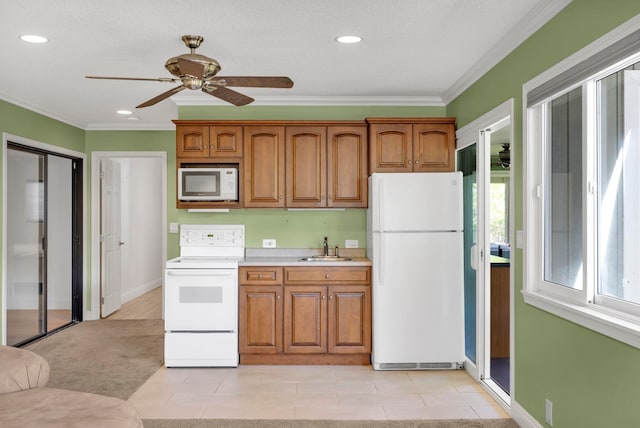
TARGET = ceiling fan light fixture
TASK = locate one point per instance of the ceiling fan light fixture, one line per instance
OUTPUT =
(33, 38)
(191, 82)
(346, 39)
(505, 156)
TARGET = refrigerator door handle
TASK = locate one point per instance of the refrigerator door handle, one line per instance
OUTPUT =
(380, 269)
(380, 206)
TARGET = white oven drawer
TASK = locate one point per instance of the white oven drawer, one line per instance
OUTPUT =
(201, 350)
(201, 299)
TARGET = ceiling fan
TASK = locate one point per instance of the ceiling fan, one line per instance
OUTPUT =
(196, 71)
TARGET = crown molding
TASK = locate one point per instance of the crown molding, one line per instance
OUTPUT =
(169, 126)
(196, 100)
(520, 32)
(35, 109)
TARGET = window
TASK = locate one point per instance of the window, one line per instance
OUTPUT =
(583, 190)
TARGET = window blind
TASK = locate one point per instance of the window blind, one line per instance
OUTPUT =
(618, 51)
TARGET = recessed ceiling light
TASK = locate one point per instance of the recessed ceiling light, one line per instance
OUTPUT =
(133, 118)
(348, 39)
(125, 112)
(33, 38)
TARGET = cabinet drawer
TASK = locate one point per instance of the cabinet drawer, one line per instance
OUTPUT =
(327, 275)
(260, 275)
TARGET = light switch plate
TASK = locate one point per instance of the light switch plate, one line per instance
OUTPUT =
(174, 228)
(268, 243)
(351, 243)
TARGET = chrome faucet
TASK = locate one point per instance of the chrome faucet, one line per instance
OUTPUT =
(325, 246)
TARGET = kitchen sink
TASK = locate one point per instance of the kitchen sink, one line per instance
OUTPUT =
(325, 259)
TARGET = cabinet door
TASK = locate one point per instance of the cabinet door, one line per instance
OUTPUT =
(347, 166)
(260, 320)
(390, 147)
(192, 141)
(225, 141)
(306, 158)
(433, 147)
(264, 166)
(305, 320)
(349, 320)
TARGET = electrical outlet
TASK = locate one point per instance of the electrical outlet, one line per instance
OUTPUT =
(351, 243)
(548, 412)
(174, 228)
(268, 243)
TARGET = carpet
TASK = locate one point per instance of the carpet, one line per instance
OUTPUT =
(297, 423)
(106, 357)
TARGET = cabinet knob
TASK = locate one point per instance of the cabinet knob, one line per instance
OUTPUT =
(331, 297)
(260, 276)
(326, 276)
(324, 297)
(416, 162)
(278, 296)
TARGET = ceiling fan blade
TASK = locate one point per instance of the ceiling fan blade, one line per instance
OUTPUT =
(158, 79)
(161, 97)
(254, 81)
(228, 95)
(191, 68)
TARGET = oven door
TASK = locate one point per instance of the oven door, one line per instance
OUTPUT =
(201, 300)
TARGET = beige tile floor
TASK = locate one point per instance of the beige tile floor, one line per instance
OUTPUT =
(312, 392)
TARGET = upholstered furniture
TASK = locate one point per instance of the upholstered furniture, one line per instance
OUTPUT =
(25, 401)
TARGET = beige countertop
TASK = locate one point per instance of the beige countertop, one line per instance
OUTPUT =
(292, 256)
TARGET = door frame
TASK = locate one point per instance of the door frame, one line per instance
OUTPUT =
(474, 133)
(6, 138)
(96, 158)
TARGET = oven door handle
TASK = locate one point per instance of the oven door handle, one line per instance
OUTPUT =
(211, 272)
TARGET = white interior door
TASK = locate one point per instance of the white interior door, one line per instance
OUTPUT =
(110, 237)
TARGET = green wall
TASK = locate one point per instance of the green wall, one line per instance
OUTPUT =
(592, 380)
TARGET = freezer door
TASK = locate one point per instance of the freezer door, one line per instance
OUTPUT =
(417, 298)
(416, 201)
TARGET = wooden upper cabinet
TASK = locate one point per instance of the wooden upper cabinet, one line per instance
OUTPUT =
(433, 147)
(347, 166)
(411, 145)
(264, 167)
(326, 166)
(192, 141)
(225, 141)
(202, 141)
(306, 172)
(390, 147)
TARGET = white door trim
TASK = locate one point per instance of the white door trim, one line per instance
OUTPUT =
(96, 157)
(6, 137)
(466, 136)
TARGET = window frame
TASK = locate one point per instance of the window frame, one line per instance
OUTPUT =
(584, 306)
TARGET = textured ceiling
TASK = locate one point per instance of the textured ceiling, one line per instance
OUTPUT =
(415, 52)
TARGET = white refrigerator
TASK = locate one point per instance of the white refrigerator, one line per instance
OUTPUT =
(415, 243)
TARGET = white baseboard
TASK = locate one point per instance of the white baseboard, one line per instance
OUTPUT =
(522, 417)
(140, 290)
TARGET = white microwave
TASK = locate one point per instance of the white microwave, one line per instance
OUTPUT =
(208, 184)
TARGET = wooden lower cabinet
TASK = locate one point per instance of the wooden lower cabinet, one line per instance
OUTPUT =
(308, 319)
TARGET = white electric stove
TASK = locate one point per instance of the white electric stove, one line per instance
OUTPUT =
(201, 297)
